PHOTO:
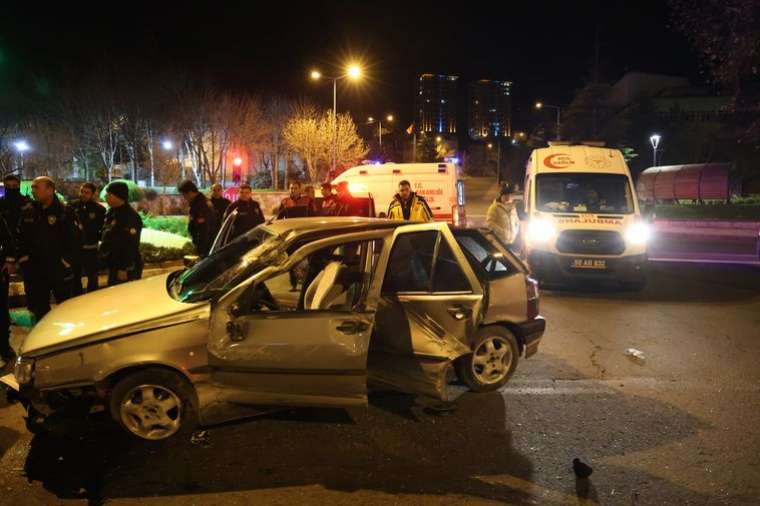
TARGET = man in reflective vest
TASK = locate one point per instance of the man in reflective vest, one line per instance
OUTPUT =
(408, 206)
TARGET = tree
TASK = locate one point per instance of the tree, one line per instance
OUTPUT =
(302, 134)
(350, 149)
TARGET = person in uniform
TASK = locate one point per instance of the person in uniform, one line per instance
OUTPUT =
(90, 215)
(347, 203)
(120, 245)
(330, 202)
(47, 248)
(408, 206)
(218, 200)
(249, 214)
(203, 223)
(12, 202)
(8, 250)
(297, 205)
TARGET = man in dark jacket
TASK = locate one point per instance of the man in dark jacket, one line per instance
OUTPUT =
(298, 204)
(121, 236)
(13, 202)
(203, 224)
(8, 250)
(249, 213)
(47, 248)
(218, 201)
(90, 215)
(331, 205)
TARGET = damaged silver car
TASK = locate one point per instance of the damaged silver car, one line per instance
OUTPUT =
(301, 312)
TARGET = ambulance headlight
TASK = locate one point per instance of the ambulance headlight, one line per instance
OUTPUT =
(23, 370)
(541, 231)
(638, 234)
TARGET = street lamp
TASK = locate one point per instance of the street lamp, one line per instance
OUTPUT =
(167, 145)
(21, 147)
(352, 72)
(654, 140)
(541, 105)
(371, 120)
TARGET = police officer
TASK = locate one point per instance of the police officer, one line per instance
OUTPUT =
(90, 215)
(121, 236)
(218, 200)
(13, 202)
(47, 248)
(203, 224)
(8, 250)
(249, 213)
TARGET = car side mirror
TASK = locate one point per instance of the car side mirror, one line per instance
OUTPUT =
(190, 260)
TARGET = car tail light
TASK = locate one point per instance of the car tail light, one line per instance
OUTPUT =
(458, 216)
(531, 290)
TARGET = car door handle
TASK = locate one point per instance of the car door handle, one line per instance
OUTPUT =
(352, 327)
(460, 312)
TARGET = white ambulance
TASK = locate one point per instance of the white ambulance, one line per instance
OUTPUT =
(439, 183)
(583, 216)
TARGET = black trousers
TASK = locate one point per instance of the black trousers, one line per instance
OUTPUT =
(40, 281)
(87, 267)
(5, 319)
(133, 275)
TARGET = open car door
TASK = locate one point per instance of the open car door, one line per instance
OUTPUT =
(269, 345)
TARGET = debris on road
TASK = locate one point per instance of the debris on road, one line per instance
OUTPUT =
(201, 438)
(635, 355)
(581, 469)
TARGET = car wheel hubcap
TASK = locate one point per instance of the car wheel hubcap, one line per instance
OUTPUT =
(492, 360)
(151, 412)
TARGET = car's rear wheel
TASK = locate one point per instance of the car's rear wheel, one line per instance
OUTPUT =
(492, 362)
(154, 404)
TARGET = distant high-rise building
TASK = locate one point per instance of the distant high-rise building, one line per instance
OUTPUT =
(435, 104)
(489, 109)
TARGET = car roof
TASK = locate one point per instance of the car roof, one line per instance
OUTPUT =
(325, 224)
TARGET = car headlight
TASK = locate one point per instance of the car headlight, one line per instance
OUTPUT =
(638, 234)
(24, 370)
(541, 231)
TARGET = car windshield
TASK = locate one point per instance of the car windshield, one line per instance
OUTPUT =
(584, 193)
(228, 266)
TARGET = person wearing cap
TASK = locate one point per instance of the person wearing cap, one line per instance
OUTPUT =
(12, 202)
(203, 223)
(502, 218)
(218, 200)
(47, 248)
(91, 216)
(249, 214)
(120, 245)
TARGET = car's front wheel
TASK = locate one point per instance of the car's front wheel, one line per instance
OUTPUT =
(492, 362)
(154, 404)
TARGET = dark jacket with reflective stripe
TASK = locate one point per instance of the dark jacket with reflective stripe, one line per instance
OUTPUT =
(121, 238)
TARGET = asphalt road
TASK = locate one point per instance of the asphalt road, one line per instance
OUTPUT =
(680, 427)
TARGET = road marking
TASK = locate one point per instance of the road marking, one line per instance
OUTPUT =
(596, 386)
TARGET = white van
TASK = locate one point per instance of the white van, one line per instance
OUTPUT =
(583, 216)
(439, 183)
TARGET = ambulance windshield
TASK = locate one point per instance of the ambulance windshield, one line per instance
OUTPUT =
(574, 192)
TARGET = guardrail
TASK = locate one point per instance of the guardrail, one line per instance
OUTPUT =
(716, 241)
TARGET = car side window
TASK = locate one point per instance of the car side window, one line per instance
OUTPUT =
(479, 249)
(447, 274)
(410, 264)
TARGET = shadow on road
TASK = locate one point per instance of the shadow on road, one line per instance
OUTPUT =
(396, 447)
(675, 282)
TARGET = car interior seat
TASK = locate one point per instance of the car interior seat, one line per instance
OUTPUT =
(327, 289)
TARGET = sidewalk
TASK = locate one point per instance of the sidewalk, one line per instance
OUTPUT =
(710, 241)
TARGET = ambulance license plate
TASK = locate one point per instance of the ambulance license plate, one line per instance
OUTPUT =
(589, 263)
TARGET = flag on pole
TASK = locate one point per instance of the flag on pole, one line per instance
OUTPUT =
(410, 130)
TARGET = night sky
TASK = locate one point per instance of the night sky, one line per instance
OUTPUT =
(545, 48)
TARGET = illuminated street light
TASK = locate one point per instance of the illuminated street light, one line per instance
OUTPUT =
(541, 105)
(438, 139)
(654, 140)
(389, 118)
(167, 145)
(371, 120)
(353, 73)
(489, 145)
(21, 146)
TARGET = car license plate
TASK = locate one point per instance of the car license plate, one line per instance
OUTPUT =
(589, 263)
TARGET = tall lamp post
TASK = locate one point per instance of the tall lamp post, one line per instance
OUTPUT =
(371, 120)
(541, 105)
(654, 140)
(352, 72)
(21, 147)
